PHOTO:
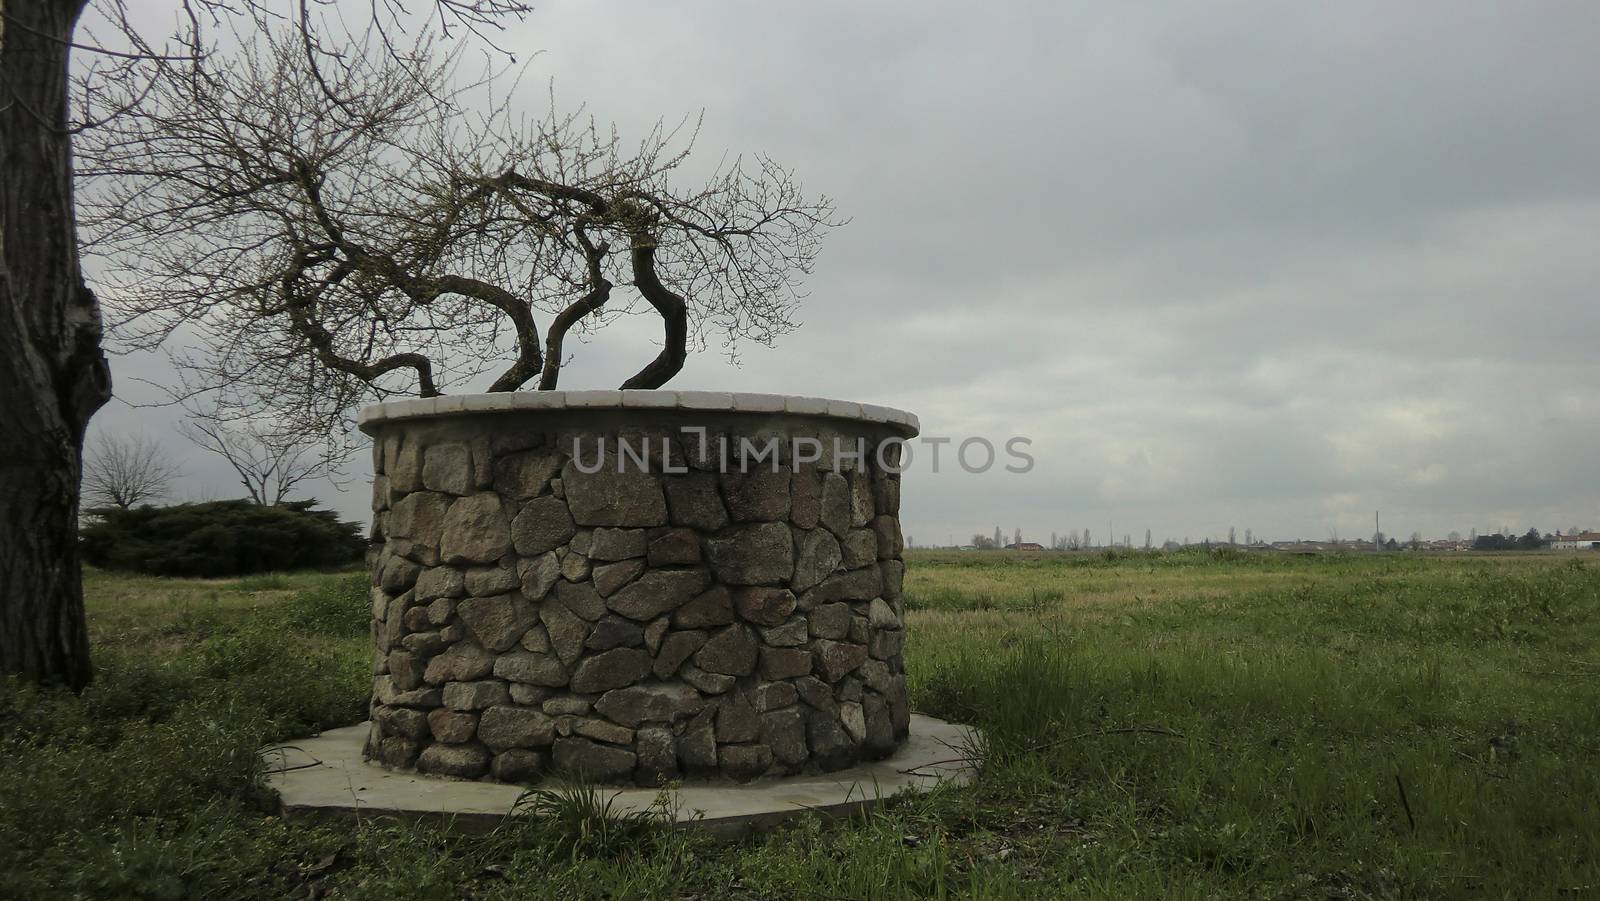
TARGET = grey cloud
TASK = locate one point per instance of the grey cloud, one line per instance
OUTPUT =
(1246, 263)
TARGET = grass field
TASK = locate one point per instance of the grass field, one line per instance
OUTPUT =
(1167, 725)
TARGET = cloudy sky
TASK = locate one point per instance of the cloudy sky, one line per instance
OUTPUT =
(1250, 264)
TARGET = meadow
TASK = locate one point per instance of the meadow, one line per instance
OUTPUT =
(1189, 725)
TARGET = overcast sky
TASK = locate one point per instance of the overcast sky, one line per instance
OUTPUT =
(1251, 264)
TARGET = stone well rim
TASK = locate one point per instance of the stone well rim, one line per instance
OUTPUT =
(635, 400)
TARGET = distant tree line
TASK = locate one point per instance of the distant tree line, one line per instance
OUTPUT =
(1528, 541)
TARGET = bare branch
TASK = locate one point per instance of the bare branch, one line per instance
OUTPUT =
(124, 471)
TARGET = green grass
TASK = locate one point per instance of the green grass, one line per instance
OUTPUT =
(1169, 725)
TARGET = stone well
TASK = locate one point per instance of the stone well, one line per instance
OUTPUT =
(636, 586)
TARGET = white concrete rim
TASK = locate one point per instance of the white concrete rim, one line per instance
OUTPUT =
(688, 401)
(327, 776)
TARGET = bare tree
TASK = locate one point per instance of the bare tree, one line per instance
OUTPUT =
(341, 234)
(269, 461)
(53, 373)
(124, 471)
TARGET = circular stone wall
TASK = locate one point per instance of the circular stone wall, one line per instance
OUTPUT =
(636, 586)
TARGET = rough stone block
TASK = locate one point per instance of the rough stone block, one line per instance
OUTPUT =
(591, 760)
(743, 763)
(536, 639)
(539, 575)
(484, 581)
(817, 555)
(755, 554)
(418, 516)
(398, 752)
(879, 739)
(792, 634)
(467, 761)
(452, 726)
(784, 731)
(448, 468)
(676, 647)
(861, 500)
(526, 474)
(566, 629)
(658, 756)
(608, 577)
(440, 582)
(406, 669)
(859, 548)
(398, 574)
(831, 748)
(402, 721)
(674, 547)
(566, 705)
(476, 530)
(805, 496)
(581, 598)
(737, 719)
(657, 592)
(731, 652)
(708, 683)
(658, 703)
(534, 669)
(785, 663)
(763, 606)
(834, 659)
(697, 751)
(542, 525)
(529, 695)
(695, 501)
(610, 669)
(830, 621)
(770, 696)
(881, 616)
(893, 575)
(617, 544)
(887, 645)
(835, 514)
(575, 567)
(856, 585)
(600, 730)
(890, 543)
(757, 496)
(497, 623)
(475, 695)
(713, 607)
(503, 727)
(517, 765)
(613, 631)
(461, 662)
(611, 498)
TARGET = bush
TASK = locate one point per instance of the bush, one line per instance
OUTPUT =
(220, 538)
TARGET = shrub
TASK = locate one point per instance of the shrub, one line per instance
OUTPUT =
(220, 538)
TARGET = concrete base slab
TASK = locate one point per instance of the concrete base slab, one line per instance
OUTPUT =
(326, 776)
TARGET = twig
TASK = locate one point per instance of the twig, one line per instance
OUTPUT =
(1123, 730)
(1405, 803)
(1486, 771)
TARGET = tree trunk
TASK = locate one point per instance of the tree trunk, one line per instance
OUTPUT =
(674, 320)
(53, 375)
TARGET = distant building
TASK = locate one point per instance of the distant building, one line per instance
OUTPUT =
(1582, 541)
(1025, 546)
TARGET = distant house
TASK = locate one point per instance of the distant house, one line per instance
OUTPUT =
(1025, 546)
(1582, 541)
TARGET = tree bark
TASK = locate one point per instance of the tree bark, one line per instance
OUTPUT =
(674, 321)
(53, 375)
